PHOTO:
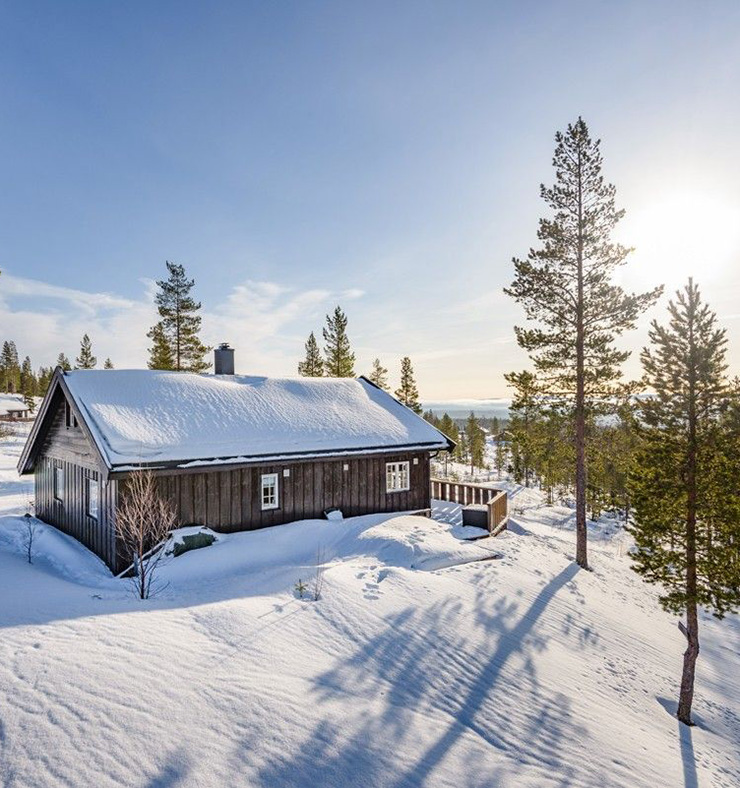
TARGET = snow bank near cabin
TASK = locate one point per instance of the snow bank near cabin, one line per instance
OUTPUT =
(148, 415)
(397, 541)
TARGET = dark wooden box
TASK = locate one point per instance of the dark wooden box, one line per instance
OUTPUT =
(475, 515)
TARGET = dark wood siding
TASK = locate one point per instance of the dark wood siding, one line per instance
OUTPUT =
(68, 448)
(230, 500)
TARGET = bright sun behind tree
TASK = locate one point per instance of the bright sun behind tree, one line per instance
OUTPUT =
(683, 234)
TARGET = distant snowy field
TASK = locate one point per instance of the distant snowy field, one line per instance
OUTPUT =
(420, 664)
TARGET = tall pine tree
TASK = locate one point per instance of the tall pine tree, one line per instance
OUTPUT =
(178, 326)
(566, 289)
(686, 480)
(10, 368)
(312, 365)
(407, 392)
(339, 358)
(379, 375)
(85, 360)
(63, 362)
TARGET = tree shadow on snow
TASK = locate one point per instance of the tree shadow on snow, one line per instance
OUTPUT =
(439, 681)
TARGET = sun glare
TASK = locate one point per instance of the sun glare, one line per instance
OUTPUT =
(681, 235)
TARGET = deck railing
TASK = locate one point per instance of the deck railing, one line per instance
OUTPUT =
(466, 493)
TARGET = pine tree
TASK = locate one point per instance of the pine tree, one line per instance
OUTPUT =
(379, 375)
(407, 393)
(449, 428)
(108, 364)
(27, 391)
(44, 377)
(340, 360)
(160, 353)
(565, 287)
(476, 442)
(524, 410)
(312, 365)
(685, 484)
(28, 379)
(63, 362)
(178, 326)
(85, 360)
(10, 368)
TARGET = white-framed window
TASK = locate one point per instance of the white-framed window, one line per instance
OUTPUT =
(93, 496)
(59, 483)
(269, 491)
(397, 477)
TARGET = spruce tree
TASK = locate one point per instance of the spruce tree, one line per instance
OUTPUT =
(85, 360)
(178, 326)
(685, 484)
(339, 358)
(407, 392)
(108, 364)
(566, 289)
(379, 375)
(312, 365)
(63, 362)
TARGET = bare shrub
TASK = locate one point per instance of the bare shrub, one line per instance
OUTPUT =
(30, 531)
(318, 584)
(143, 522)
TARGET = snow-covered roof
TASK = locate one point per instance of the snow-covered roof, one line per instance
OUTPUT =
(11, 403)
(155, 417)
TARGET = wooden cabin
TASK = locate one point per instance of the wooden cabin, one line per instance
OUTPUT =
(13, 408)
(231, 452)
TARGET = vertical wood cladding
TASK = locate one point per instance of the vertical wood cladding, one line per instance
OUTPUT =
(67, 507)
(230, 500)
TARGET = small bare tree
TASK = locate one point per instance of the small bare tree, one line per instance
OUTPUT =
(318, 586)
(144, 520)
(31, 527)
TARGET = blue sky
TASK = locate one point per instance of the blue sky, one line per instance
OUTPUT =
(386, 156)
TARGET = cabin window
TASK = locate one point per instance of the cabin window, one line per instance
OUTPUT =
(397, 477)
(67, 415)
(269, 491)
(93, 496)
(59, 483)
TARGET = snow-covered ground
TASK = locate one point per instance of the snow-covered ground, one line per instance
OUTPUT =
(419, 665)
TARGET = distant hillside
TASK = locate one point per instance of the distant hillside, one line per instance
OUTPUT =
(460, 408)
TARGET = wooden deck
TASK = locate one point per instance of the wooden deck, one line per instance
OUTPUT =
(465, 493)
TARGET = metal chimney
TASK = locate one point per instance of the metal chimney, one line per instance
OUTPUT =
(224, 360)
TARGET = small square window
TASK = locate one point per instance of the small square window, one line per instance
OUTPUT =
(397, 477)
(269, 491)
(93, 497)
(59, 483)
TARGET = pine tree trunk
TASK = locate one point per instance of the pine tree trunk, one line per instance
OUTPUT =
(580, 409)
(691, 630)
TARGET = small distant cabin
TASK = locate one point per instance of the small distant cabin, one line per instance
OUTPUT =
(13, 408)
(231, 452)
